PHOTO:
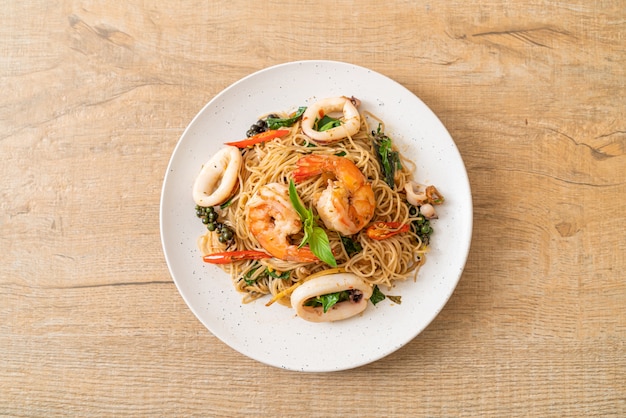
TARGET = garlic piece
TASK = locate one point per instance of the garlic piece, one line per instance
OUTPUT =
(428, 211)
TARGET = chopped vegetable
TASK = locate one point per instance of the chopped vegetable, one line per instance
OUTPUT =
(377, 295)
(258, 138)
(313, 235)
(227, 257)
(351, 246)
(226, 204)
(395, 299)
(389, 159)
(277, 274)
(326, 123)
(275, 123)
(383, 230)
(327, 301)
(268, 272)
(249, 274)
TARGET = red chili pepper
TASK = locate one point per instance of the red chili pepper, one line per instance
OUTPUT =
(258, 138)
(227, 257)
(383, 230)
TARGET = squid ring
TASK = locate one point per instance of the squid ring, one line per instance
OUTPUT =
(330, 284)
(218, 178)
(350, 123)
(413, 195)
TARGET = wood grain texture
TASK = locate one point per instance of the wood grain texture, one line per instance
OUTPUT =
(95, 97)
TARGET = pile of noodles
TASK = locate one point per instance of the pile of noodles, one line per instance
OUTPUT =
(379, 262)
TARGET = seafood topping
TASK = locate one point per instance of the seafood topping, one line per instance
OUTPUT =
(348, 125)
(332, 297)
(348, 203)
(218, 178)
(272, 220)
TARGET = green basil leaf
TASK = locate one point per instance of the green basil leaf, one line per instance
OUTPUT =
(326, 123)
(320, 246)
(306, 215)
(227, 203)
(313, 235)
(377, 295)
(297, 203)
(250, 273)
(389, 159)
(388, 167)
(329, 300)
(273, 273)
(275, 123)
(351, 246)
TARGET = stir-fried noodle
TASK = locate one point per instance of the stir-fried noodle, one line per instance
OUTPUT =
(378, 262)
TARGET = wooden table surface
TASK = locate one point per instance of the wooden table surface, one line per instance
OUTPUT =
(95, 96)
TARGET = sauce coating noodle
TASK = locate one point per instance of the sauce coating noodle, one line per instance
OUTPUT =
(379, 262)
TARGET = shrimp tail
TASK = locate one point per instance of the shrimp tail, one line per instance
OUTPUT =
(304, 254)
(309, 166)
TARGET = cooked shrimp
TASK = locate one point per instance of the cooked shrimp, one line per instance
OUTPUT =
(350, 123)
(359, 294)
(348, 203)
(218, 178)
(271, 218)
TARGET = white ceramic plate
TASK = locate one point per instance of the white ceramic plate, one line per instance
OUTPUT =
(274, 335)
